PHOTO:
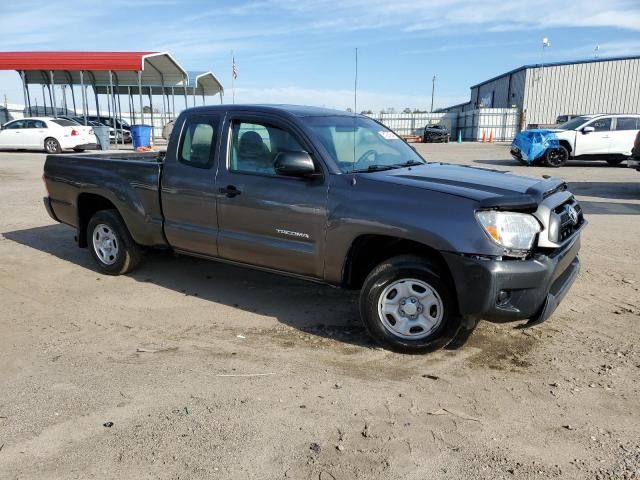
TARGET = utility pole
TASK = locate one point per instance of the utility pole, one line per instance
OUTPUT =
(433, 88)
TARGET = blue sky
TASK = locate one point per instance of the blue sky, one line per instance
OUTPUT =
(297, 51)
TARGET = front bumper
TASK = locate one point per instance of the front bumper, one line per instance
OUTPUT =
(510, 290)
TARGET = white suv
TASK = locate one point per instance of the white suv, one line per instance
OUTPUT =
(607, 137)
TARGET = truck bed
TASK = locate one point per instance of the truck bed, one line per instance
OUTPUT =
(130, 181)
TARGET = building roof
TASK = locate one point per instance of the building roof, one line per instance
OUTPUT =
(557, 64)
(156, 67)
(199, 83)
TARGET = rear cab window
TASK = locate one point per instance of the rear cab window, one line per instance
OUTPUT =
(199, 139)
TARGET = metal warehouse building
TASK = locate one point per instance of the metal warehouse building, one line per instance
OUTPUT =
(542, 92)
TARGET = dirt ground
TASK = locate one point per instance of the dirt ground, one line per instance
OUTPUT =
(205, 370)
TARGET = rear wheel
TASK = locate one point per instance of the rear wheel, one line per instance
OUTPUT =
(111, 245)
(556, 157)
(51, 145)
(408, 306)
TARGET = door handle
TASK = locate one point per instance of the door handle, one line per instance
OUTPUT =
(230, 191)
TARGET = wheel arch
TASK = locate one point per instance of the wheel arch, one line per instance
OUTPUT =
(566, 144)
(88, 204)
(369, 250)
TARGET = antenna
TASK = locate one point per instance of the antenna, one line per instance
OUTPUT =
(355, 86)
(355, 110)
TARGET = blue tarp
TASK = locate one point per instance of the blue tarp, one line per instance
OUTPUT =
(533, 143)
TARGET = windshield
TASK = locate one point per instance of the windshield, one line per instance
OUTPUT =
(573, 123)
(361, 144)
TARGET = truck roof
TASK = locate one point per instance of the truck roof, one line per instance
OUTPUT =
(295, 110)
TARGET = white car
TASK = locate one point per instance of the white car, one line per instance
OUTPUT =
(607, 137)
(49, 134)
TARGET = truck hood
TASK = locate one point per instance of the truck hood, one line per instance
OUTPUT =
(491, 188)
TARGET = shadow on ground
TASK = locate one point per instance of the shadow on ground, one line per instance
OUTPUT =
(313, 308)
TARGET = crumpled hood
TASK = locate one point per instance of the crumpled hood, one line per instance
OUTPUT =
(481, 184)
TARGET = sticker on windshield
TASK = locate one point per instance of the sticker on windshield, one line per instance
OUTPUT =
(388, 135)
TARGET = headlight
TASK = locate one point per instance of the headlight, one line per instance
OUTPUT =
(514, 231)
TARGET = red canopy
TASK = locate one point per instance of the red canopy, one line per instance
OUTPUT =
(157, 67)
(104, 61)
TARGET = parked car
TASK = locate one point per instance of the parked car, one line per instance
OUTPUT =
(431, 247)
(564, 119)
(108, 121)
(634, 161)
(435, 133)
(49, 134)
(587, 137)
(115, 136)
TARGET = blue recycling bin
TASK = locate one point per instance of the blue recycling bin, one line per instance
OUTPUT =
(141, 136)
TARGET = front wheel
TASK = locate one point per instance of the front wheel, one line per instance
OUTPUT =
(556, 157)
(408, 306)
(111, 245)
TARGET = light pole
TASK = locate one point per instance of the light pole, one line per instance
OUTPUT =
(433, 88)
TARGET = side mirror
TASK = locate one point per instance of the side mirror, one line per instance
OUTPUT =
(586, 130)
(294, 164)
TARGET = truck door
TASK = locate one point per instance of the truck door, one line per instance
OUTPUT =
(265, 219)
(188, 185)
(597, 142)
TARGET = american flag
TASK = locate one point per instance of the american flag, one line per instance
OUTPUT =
(234, 69)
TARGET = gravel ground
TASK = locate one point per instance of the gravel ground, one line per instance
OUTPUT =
(191, 369)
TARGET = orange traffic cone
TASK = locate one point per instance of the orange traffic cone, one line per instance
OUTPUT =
(490, 136)
(484, 137)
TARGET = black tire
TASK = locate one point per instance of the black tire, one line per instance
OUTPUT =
(78, 150)
(614, 162)
(387, 274)
(51, 145)
(556, 157)
(113, 261)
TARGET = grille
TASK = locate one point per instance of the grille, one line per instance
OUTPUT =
(567, 225)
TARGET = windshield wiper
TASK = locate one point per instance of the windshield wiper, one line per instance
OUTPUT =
(375, 168)
(409, 163)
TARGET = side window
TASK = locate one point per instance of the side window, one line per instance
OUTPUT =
(40, 124)
(199, 142)
(254, 147)
(601, 124)
(627, 123)
(16, 124)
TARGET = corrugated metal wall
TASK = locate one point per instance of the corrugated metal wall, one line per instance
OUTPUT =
(594, 87)
(507, 91)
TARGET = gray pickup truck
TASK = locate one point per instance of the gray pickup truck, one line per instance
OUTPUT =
(335, 198)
